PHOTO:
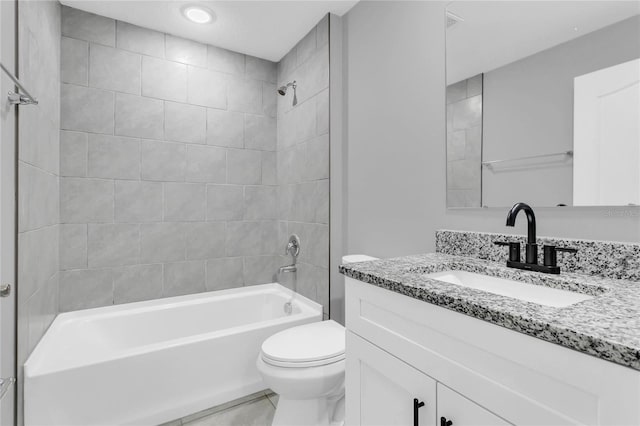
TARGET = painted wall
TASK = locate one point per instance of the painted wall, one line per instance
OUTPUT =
(396, 142)
(528, 110)
(395, 117)
(38, 170)
(303, 161)
(168, 158)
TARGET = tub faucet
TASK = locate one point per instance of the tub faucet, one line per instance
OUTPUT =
(293, 248)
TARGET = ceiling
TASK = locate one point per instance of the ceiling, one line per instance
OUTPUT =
(496, 33)
(266, 29)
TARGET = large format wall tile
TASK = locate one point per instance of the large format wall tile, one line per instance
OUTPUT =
(185, 51)
(206, 164)
(39, 162)
(225, 128)
(260, 69)
(38, 197)
(113, 245)
(185, 123)
(73, 246)
(207, 88)
(205, 240)
(225, 60)
(114, 69)
(244, 95)
(162, 161)
(86, 109)
(136, 283)
(113, 157)
(162, 242)
(225, 202)
(140, 40)
(87, 26)
(259, 132)
(73, 153)
(86, 200)
(184, 202)
(184, 278)
(224, 273)
(139, 117)
(302, 157)
(74, 61)
(138, 201)
(243, 166)
(171, 181)
(164, 79)
(87, 288)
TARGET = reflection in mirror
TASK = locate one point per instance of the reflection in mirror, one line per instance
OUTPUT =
(543, 103)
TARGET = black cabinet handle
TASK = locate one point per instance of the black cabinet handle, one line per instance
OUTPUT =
(445, 422)
(416, 405)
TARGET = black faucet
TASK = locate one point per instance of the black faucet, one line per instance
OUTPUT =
(531, 249)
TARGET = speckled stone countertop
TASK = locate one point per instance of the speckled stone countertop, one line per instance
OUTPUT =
(607, 326)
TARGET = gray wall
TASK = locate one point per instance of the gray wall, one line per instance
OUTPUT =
(395, 115)
(528, 110)
(303, 160)
(168, 158)
(38, 189)
(396, 142)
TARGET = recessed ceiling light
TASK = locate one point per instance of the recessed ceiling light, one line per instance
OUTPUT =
(198, 14)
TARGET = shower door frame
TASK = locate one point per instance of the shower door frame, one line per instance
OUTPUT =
(8, 214)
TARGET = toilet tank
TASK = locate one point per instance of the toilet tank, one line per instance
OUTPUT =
(353, 258)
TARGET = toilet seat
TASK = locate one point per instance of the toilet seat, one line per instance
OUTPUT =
(309, 345)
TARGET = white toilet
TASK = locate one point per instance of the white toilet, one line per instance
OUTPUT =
(304, 365)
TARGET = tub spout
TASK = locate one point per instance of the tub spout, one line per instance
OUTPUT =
(288, 268)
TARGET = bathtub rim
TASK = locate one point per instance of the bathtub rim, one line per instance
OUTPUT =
(308, 308)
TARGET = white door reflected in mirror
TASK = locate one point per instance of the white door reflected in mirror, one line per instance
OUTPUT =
(607, 136)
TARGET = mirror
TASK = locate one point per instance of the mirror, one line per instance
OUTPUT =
(543, 103)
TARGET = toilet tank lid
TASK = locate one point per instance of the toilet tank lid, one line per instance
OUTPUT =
(353, 258)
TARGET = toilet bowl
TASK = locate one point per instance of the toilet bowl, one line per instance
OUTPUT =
(305, 366)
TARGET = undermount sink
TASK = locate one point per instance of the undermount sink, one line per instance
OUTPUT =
(505, 287)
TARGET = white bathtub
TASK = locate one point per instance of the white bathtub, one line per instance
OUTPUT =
(150, 362)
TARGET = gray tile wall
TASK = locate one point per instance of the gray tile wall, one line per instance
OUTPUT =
(168, 165)
(38, 181)
(303, 160)
(464, 142)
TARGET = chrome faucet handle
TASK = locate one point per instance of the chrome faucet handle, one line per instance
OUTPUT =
(293, 246)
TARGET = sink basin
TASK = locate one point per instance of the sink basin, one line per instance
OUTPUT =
(509, 288)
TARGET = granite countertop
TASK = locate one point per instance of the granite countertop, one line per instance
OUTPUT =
(607, 326)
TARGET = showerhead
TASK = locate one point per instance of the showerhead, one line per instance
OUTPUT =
(282, 90)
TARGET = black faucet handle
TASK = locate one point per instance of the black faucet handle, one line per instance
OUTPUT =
(567, 249)
(514, 249)
(551, 254)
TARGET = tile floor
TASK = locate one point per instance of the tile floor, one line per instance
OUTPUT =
(252, 410)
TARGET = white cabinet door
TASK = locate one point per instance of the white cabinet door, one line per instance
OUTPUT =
(460, 411)
(381, 390)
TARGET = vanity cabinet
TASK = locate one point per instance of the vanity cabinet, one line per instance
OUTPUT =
(385, 391)
(460, 411)
(387, 388)
(469, 371)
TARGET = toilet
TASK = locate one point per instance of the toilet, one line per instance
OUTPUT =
(305, 366)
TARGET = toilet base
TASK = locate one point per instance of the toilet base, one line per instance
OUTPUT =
(309, 412)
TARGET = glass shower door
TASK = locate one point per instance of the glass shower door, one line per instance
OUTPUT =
(8, 129)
